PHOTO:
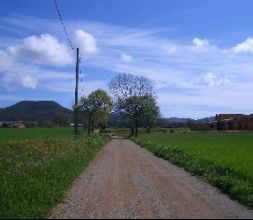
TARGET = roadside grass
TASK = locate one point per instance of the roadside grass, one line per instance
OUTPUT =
(36, 173)
(223, 159)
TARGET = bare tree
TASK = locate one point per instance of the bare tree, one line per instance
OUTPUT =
(126, 85)
(134, 98)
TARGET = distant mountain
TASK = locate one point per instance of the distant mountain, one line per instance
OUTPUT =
(186, 120)
(177, 120)
(165, 122)
(33, 111)
(204, 120)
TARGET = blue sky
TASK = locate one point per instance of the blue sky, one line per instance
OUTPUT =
(199, 54)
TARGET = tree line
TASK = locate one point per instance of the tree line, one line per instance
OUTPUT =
(133, 99)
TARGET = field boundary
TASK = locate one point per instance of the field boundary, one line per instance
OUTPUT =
(235, 184)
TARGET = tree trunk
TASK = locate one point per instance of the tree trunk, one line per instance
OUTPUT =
(136, 131)
(136, 128)
(132, 131)
(92, 126)
(89, 125)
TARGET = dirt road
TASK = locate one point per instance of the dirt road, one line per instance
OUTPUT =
(126, 181)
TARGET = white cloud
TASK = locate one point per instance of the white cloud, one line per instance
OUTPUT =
(126, 58)
(29, 82)
(206, 102)
(244, 47)
(64, 86)
(212, 79)
(13, 81)
(5, 60)
(200, 43)
(44, 49)
(20, 75)
(170, 49)
(86, 42)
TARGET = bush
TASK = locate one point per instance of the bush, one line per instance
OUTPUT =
(47, 124)
(31, 124)
(161, 130)
(106, 130)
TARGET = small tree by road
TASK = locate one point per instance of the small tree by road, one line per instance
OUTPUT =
(95, 108)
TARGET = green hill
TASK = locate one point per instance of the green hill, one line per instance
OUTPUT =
(33, 111)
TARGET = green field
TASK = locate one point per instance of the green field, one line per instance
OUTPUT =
(223, 159)
(7, 134)
(38, 165)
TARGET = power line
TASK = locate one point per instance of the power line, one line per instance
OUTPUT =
(63, 26)
(78, 73)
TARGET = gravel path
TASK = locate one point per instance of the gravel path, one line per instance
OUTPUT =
(126, 181)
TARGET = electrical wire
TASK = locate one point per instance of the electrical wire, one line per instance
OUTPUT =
(63, 26)
(70, 44)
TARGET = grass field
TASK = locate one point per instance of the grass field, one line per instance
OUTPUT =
(223, 159)
(38, 165)
(7, 134)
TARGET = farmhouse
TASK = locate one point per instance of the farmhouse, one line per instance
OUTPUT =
(17, 125)
(234, 122)
(225, 122)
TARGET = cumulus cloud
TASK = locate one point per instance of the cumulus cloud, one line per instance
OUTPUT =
(200, 43)
(244, 47)
(86, 42)
(44, 49)
(126, 58)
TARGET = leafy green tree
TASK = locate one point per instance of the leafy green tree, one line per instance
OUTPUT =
(96, 107)
(150, 114)
(142, 110)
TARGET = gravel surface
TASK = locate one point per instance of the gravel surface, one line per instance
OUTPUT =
(126, 181)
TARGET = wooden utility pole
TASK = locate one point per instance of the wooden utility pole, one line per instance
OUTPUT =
(76, 91)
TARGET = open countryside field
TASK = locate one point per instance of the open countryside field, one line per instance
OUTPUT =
(7, 134)
(38, 165)
(224, 159)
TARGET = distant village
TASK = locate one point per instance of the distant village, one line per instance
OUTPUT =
(222, 122)
(12, 124)
(29, 124)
